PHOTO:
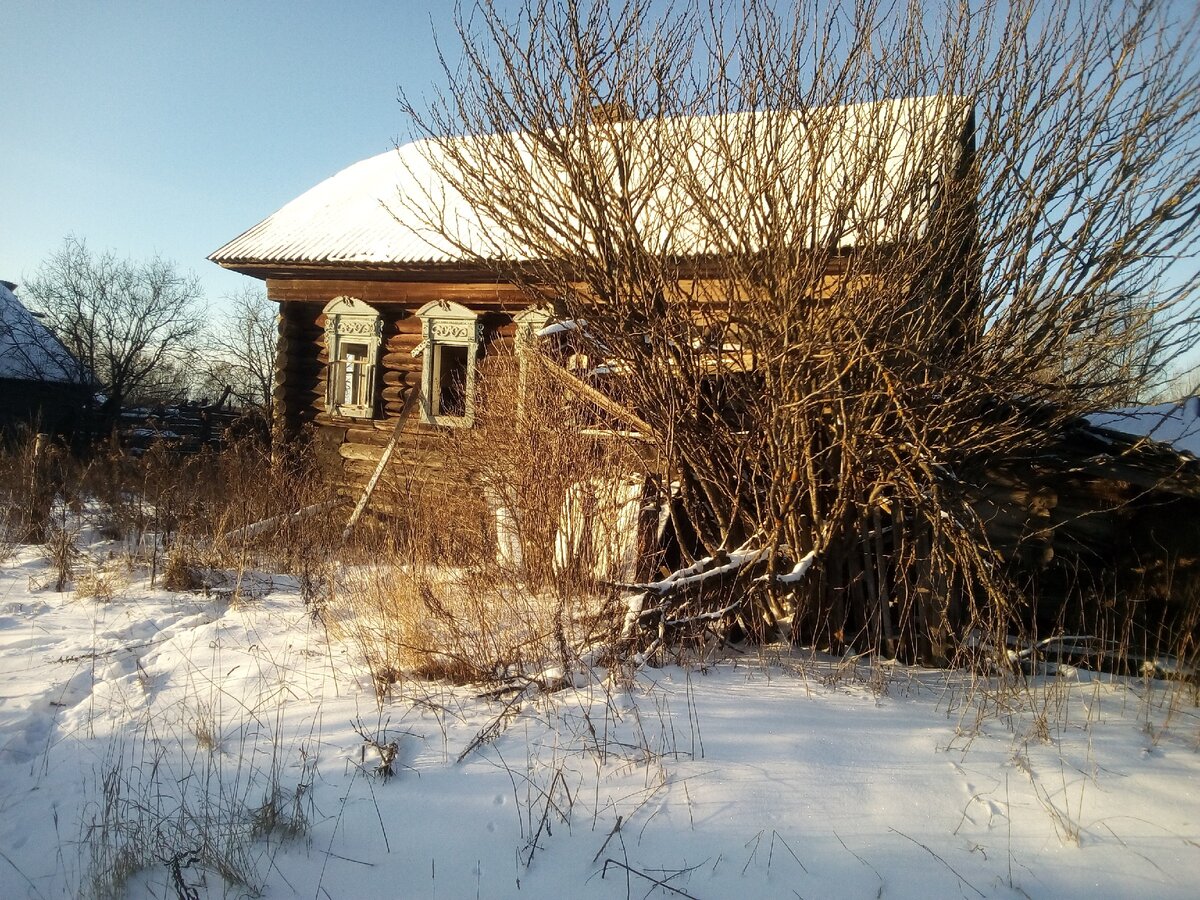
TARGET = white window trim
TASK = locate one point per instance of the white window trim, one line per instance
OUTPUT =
(350, 320)
(445, 323)
(529, 322)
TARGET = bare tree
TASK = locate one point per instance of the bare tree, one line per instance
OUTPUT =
(241, 353)
(843, 257)
(131, 324)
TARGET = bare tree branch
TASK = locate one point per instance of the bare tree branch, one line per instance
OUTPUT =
(840, 258)
(131, 324)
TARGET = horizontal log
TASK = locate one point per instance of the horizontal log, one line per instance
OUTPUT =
(369, 430)
(407, 328)
(405, 459)
(301, 314)
(412, 294)
(314, 401)
(404, 454)
(304, 328)
(363, 468)
(300, 345)
(402, 343)
(355, 435)
(361, 451)
(392, 377)
(304, 365)
(401, 360)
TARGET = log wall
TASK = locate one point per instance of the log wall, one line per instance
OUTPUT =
(348, 448)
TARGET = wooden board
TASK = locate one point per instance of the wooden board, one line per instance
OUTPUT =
(409, 293)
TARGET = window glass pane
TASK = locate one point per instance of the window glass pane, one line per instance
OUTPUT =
(451, 380)
(354, 374)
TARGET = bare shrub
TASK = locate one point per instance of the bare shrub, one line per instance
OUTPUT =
(112, 480)
(181, 573)
(277, 514)
(840, 271)
(34, 472)
(102, 580)
(234, 510)
(62, 552)
(498, 582)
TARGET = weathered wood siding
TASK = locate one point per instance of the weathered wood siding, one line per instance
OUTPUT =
(47, 406)
(349, 448)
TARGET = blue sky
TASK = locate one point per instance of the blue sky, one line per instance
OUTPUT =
(170, 126)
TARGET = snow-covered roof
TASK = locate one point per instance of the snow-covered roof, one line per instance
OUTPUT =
(1176, 424)
(380, 211)
(28, 350)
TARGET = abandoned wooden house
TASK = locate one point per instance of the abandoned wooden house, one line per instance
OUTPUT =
(42, 386)
(387, 314)
(377, 305)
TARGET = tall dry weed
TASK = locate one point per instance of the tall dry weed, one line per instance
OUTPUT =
(499, 563)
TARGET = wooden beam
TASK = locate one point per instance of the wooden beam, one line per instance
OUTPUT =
(409, 404)
(410, 293)
(586, 392)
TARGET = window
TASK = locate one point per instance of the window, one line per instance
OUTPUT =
(451, 337)
(452, 368)
(352, 336)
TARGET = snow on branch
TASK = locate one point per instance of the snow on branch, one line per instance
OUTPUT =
(798, 571)
(702, 570)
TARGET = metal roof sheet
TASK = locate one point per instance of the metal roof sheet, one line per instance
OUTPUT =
(29, 351)
(398, 208)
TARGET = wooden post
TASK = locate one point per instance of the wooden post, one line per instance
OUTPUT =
(410, 403)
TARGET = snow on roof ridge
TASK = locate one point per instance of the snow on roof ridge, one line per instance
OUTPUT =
(356, 216)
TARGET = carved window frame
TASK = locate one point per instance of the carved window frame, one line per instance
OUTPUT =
(529, 322)
(444, 324)
(351, 322)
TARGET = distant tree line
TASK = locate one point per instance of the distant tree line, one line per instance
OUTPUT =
(142, 333)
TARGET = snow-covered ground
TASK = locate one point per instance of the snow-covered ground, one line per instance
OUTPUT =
(156, 744)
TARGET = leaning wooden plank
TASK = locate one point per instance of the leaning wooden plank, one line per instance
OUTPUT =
(257, 528)
(587, 392)
(409, 403)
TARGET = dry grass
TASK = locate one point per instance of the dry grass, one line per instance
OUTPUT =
(486, 585)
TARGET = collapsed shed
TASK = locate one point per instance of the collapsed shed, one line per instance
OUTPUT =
(42, 386)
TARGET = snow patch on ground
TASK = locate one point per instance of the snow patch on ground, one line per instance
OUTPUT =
(170, 719)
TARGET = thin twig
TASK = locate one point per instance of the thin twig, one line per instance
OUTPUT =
(615, 829)
(939, 859)
(657, 882)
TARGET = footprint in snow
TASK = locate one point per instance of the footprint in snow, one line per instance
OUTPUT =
(27, 737)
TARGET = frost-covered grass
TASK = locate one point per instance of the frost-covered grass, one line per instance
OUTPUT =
(166, 744)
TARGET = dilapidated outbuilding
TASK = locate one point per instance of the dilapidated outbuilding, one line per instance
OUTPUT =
(42, 386)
